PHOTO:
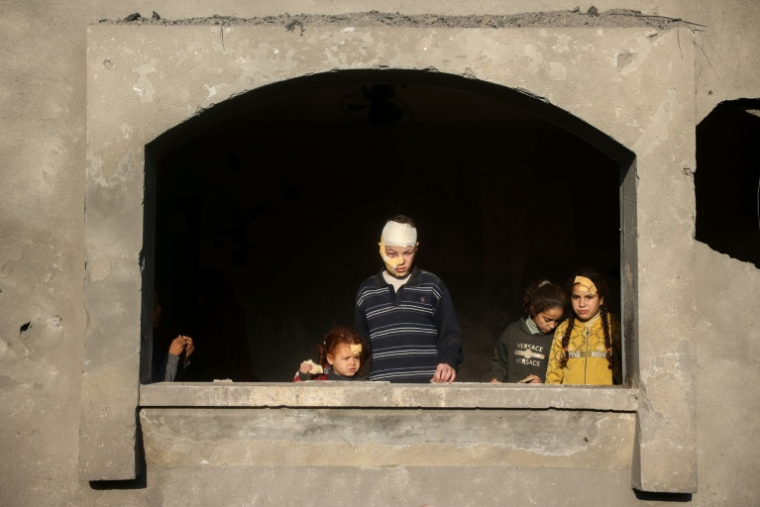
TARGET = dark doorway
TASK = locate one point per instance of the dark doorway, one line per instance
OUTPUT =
(727, 180)
(285, 200)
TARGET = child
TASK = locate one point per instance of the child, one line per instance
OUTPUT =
(586, 347)
(522, 350)
(406, 315)
(341, 354)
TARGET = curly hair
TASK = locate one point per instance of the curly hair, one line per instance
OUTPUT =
(543, 295)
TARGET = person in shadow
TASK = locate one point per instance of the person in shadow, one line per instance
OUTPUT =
(170, 364)
(220, 333)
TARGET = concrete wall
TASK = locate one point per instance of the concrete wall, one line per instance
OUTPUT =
(44, 321)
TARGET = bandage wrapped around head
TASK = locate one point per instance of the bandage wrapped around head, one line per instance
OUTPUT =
(396, 234)
(586, 284)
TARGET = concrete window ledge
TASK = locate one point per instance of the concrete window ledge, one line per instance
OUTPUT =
(385, 395)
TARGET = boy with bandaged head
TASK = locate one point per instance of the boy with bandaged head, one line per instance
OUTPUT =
(406, 315)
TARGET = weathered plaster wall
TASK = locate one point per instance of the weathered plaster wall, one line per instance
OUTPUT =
(143, 80)
(459, 448)
(42, 155)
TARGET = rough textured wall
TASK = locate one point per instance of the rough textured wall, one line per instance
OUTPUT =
(443, 458)
(137, 90)
(42, 322)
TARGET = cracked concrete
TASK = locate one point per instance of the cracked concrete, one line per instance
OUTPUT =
(616, 18)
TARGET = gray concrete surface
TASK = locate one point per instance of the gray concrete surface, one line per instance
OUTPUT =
(137, 90)
(413, 486)
(386, 395)
(44, 320)
(377, 438)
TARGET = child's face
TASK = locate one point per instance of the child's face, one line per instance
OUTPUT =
(585, 304)
(347, 359)
(399, 259)
(547, 320)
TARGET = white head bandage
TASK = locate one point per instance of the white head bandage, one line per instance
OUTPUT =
(396, 234)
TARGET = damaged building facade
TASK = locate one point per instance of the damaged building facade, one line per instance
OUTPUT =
(270, 142)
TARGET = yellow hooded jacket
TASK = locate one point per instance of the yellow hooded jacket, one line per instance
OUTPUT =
(588, 356)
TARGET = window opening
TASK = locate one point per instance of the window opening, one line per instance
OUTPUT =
(275, 211)
(727, 180)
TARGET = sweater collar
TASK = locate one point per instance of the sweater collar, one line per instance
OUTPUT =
(531, 326)
(593, 321)
(413, 279)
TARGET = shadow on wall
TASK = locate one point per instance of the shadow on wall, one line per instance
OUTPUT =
(663, 497)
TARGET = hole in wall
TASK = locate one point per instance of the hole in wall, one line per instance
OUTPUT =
(727, 180)
(275, 212)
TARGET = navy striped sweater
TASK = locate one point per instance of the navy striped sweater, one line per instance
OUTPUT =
(411, 331)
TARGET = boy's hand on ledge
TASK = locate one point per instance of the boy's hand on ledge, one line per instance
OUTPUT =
(444, 373)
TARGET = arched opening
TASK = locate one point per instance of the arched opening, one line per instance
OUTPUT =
(726, 180)
(274, 200)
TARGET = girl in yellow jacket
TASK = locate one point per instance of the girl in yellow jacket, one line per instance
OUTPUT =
(586, 347)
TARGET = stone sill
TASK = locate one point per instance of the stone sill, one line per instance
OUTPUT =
(386, 395)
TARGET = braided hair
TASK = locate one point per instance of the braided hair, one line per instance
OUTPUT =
(603, 290)
(566, 340)
(604, 314)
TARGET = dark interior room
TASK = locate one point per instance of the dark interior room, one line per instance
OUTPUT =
(267, 222)
(727, 180)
